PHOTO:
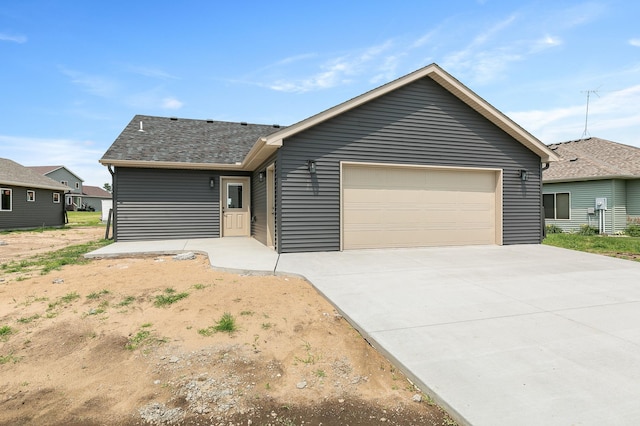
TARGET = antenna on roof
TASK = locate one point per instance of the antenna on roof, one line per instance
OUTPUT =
(586, 118)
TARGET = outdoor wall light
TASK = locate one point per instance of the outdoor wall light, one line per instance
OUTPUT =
(311, 165)
(261, 176)
(212, 182)
(524, 174)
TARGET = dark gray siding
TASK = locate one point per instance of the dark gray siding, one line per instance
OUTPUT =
(259, 202)
(42, 212)
(153, 204)
(420, 123)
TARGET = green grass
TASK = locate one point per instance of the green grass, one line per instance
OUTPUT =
(5, 332)
(5, 359)
(127, 301)
(226, 324)
(97, 294)
(623, 247)
(27, 320)
(168, 298)
(47, 262)
(70, 297)
(84, 219)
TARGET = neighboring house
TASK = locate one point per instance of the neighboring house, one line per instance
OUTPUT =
(92, 197)
(592, 170)
(28, 199)
(420, 161)
(73, 200)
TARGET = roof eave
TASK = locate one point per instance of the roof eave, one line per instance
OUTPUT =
(588, 178)
(35, 186)
(170, 165)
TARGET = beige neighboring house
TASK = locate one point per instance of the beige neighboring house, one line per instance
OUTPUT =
(596, 182)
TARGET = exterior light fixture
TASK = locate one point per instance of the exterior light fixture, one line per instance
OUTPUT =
(261, 176)
(311, 165)
(212, 183)
(524, 174)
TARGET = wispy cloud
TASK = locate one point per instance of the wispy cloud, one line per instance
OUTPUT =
(635, 42)
(152, 72)
(171, 103)
(42, 152)
(13, 38)
(95, 84)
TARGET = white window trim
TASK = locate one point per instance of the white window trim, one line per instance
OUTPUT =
(10, 199)
(77, 185)
(34, 195)
(555, 205)
(64, 182)
(56, 197)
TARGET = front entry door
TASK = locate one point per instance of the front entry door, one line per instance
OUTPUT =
(235, 207)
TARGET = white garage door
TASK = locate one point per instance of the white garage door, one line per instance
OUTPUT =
(387, 206)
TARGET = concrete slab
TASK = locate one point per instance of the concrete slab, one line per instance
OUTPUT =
(524, 335)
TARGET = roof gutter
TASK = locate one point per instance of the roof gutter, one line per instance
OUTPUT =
(169, 165)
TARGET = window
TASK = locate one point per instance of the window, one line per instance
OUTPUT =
(56, 197)
(234, 195)
(31, 195)
(64, 182)
(77, 185)
(557, 205)
(5, 199)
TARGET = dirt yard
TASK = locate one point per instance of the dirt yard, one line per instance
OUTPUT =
(131, 341)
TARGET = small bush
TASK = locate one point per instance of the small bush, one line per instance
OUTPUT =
(553, 229)
(226, 324)
(632, 230)
(587, 230)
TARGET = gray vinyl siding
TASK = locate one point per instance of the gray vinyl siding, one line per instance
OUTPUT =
(158, 204)
(259, 202)
(583, 196)
(60, 175)
(420, 123)
(633, 198)
(42, 212)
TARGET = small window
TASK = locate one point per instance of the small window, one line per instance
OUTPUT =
(5, 199)
(234, 195)
(64, 182)
(557, 205)
(56, 197)
(77, 185)
(31, 195)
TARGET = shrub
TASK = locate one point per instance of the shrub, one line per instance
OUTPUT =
(553, 229)
(587, 230)
(632, 230)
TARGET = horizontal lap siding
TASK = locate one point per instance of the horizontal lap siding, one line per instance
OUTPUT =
(157, 204)
(259, 203)
(42, 212)
(633, 198)
(421, 124)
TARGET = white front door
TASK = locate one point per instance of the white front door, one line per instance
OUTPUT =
(235, 207)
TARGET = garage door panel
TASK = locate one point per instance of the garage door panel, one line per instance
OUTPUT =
(406, 207)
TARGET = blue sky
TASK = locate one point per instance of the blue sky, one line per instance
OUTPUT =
(74, 73)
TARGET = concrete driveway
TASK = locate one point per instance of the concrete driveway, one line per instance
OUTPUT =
(511, 335)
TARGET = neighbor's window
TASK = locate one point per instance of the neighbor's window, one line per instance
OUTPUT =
(557, 205)
(56, 197)
(31, 195)
(5, 199)
(64, 182)
(77, 185)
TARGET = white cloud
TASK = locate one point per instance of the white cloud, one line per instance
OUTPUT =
(152, 72)
(95, 84)
(81, 157)
(635, 42)
(171, 103)
(13, 38)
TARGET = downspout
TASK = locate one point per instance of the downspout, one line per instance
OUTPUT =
(543, 231)
(113, 202)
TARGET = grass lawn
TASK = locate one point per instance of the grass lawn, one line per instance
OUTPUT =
(622, 247)
(84, 218)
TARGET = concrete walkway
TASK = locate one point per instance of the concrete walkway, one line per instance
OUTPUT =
(511, 335)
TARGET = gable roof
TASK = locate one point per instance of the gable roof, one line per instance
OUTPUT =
(205, 144)
(95, 191)
(591, 159)
(45, 170)
(12, 173)
(149, 141)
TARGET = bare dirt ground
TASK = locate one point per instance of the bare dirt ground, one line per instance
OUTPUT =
(87, 345)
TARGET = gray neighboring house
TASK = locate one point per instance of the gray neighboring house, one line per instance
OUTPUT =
(73, 199)
(28, 199)
(92, 197)
(419, 161)
(592, 170)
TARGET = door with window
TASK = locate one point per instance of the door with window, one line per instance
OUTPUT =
(235, 207)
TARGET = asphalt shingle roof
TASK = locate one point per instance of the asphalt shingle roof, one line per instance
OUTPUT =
(95, 191)
(164, 139)
(593, 158)
(12, 173)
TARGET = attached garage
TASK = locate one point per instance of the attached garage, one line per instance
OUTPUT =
(406, 206)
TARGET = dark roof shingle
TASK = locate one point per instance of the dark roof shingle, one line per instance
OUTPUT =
(162, 139)
(12, 173)
(593, 158)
